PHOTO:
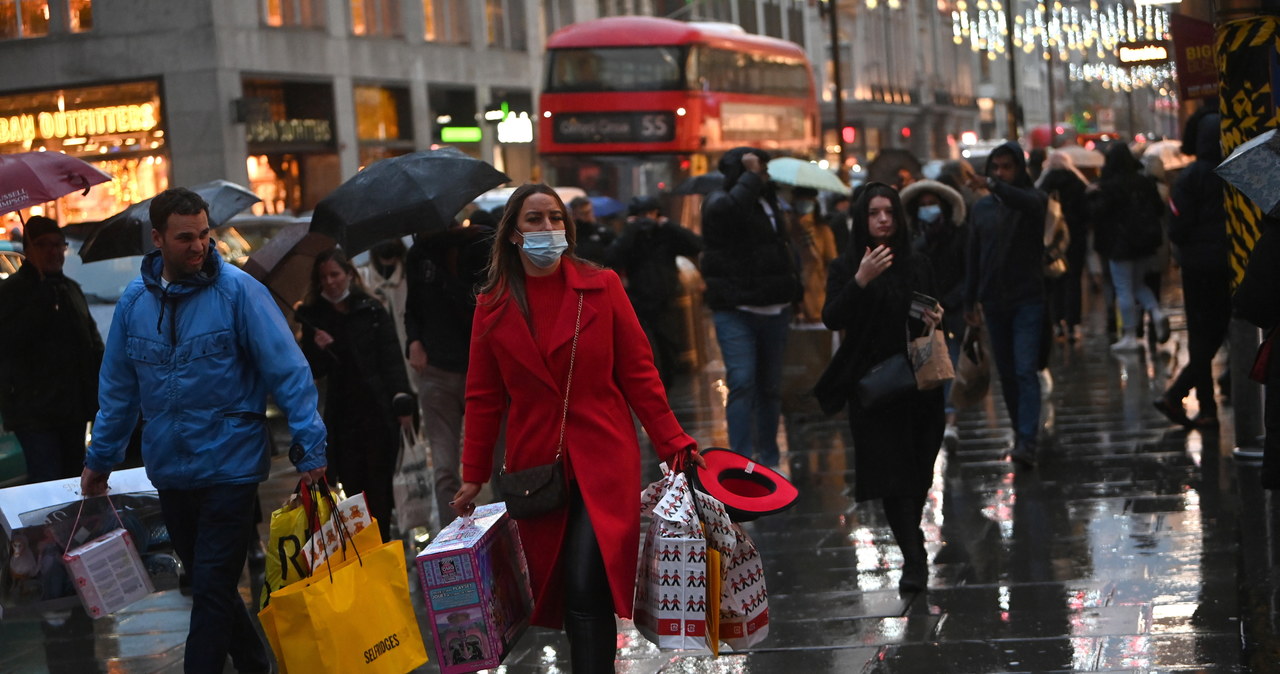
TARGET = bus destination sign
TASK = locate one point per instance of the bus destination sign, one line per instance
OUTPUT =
(615, 127)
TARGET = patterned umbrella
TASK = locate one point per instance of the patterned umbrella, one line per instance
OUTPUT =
(1252, 169)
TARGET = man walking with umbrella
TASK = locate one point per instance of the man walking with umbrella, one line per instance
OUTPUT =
(196, 345)
(50, 351)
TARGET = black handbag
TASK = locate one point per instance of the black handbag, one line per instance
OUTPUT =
(539, 490)
(887, 381)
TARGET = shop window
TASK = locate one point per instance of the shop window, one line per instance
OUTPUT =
(446, 21)
(80, 15)
(558, 14)
(505, 24)
(23, 18)
(372, 18)
(294, 13)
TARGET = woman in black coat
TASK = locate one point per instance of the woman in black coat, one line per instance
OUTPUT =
(869, 293)
(351, 340)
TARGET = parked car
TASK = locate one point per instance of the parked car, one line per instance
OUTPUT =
(11, 258)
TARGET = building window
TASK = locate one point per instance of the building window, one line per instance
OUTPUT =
(80, 15)
(558, 14)
(446, 21)
(295, 13)
(505, 24)
(375, 17)
(23, 18)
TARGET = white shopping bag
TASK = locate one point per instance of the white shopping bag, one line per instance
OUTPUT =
(411, 485)
(353, 513)
(744, 601)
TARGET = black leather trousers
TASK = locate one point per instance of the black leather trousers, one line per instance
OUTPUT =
(588, 604)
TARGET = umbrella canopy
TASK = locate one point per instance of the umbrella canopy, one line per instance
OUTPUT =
(1251, 168)
(1083, 157)
(801, 173)
(1168, 153)
(703, 184)
(30, 178)
(410, 194)
(885, 167)
(284, 264)
(128, 232)
(607, 207)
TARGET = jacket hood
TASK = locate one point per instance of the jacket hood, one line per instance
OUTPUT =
(731, 163)
(911, 194)
(1209, 139)
(1013, 149)
(153, 265)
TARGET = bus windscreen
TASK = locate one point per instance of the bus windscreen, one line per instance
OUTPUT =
(616, 69)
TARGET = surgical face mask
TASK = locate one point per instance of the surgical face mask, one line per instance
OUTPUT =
(929, 213)
(804, 207)
(346, 292)
(544, 248)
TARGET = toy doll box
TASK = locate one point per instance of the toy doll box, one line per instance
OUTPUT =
(108, 574)
(475, 583)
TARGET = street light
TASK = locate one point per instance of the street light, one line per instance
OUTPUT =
(828, 10)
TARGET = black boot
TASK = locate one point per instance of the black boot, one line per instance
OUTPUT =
(903, 514)
(592, 643)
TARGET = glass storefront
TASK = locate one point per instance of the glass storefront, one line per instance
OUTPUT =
(293, 158)
(383, 123)
(117, 127)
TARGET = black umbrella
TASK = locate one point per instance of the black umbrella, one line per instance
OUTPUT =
(129, 232)
(703, 184)
(413, 193)
(284, 264)
(885, 167)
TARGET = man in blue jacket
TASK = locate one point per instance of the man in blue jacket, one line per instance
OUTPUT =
(1004, 278)
(195, 346)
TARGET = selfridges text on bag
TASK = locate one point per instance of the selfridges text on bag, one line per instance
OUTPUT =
(475, 583)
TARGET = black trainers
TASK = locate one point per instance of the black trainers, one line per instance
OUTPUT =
(1023, 456)
(1173, 411)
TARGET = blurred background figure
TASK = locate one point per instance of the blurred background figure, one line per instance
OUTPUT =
(50, 352)
(815, 247)
(383, 276)
(444, 270)
(1198, 231)
(593, 236)
(645, 255)
(350, 341)
(936, 215)
(1062, 181)
(838, 221)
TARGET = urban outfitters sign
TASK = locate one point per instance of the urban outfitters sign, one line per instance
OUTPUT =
(291, 131)
(59, 124)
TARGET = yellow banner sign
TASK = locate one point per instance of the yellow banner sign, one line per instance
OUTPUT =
(60, 124)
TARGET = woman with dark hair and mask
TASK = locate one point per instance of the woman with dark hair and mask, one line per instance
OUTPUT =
(557, 349)
(869, 295)
(350, 340)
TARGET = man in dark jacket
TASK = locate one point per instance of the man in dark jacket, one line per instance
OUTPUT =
(50, 351)
(444, 270)
(1004, 281)
(752, 281)
(1198, 231)
(646, 254)
(593, 237)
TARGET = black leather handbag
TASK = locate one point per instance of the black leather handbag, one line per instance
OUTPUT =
(887, 381)
(539, 490)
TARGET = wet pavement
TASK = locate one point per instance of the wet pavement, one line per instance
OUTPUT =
(1135, 546)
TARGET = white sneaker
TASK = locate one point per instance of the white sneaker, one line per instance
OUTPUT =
(1127, 343)
(951, 437)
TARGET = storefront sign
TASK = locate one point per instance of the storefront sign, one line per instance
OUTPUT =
(291, 131)
(515, 128)
(1142, 53)
(1193, 48)
(58, 124)
(615, 127)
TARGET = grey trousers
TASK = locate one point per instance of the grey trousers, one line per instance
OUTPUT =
(442, 395)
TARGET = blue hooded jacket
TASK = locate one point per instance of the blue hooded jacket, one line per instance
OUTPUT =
(198, 359)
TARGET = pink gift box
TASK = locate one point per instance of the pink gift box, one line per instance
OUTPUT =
(475, 583)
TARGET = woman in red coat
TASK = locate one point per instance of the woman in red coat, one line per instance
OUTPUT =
(582, 557)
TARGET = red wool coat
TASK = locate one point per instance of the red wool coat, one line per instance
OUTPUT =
(613, 374)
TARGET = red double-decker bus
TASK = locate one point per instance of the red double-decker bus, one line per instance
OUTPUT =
(633, 104)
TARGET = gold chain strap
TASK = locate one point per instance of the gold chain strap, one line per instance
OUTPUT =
(573, 355)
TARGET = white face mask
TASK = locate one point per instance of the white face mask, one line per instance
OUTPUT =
(544, 248)
(346, 292)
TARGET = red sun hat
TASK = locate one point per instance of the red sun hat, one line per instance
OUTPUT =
(747, 489)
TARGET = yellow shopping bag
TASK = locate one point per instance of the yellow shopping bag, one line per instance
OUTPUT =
(353, 616)
(367, 538)
(290, 528)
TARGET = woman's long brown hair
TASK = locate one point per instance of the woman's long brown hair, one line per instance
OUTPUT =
(506, 272)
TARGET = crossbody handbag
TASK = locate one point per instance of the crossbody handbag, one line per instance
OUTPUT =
(539, 490)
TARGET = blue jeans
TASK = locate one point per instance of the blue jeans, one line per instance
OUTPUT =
(1015, 344)
(1126, 276)
(210, 529)
(752, 346)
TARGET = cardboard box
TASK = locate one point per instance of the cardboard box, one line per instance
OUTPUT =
(108, 574)
(475, 583)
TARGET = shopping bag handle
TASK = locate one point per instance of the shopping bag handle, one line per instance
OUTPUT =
(322, 487)
(80, 511)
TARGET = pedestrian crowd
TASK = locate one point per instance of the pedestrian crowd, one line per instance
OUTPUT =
(514, 345)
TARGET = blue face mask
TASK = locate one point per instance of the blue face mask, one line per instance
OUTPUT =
(929, 214)
(544, 248)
